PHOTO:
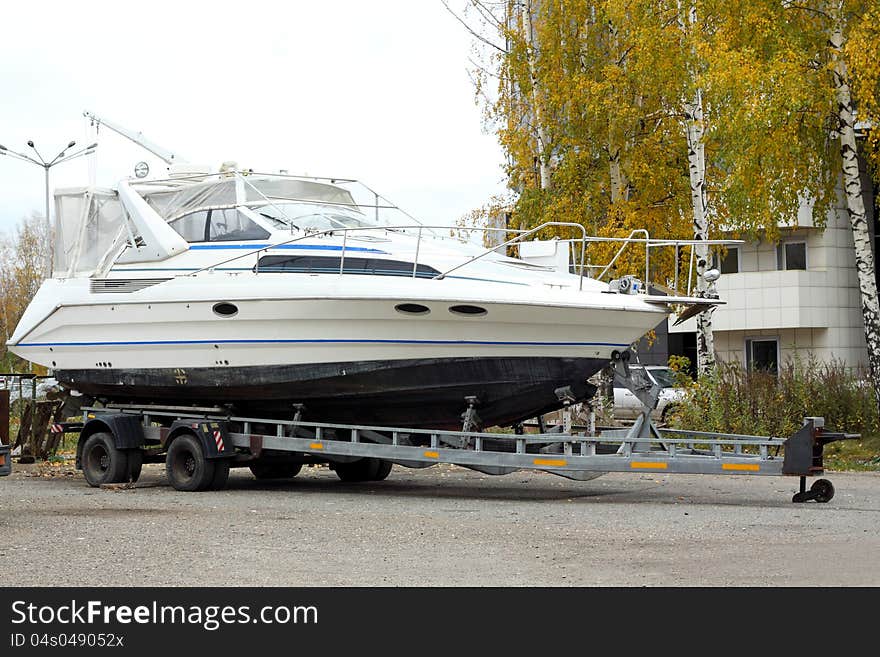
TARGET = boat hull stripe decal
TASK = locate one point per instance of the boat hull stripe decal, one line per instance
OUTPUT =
(326, 341)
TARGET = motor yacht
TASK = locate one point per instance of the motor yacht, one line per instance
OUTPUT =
(272, 295)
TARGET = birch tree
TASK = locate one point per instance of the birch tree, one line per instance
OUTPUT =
(765, 89)
(614, 162)
(800, 71)
(840, 14)
(694, 121)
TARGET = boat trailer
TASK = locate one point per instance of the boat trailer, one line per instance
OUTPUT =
(199, 445)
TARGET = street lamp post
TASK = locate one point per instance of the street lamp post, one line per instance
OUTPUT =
(63, 156)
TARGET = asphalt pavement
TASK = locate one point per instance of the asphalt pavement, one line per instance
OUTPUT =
(444, 526)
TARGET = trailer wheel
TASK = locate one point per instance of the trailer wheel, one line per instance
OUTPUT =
(186, 465)
(275, 470)
(135, 464)
(822, 490)
(221, 475)
(102, 463)
(365, 469)
(384, 470)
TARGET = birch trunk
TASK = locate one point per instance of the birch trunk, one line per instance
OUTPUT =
(619, 183)
(855, 205)
(619, 180)
(540, 128)
(694, 129)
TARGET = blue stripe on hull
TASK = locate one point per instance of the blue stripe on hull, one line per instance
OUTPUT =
(450, 342)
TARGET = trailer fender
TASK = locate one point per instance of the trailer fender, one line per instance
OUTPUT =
(213, 435)
(127, 432)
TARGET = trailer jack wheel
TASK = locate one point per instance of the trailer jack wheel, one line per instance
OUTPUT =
(822, 491)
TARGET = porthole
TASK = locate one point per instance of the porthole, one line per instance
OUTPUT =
(412, 309)
(469, 311)
(225, 309)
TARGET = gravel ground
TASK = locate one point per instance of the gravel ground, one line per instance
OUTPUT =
(444, 526)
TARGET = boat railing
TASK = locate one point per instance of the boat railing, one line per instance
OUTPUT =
(580, 265)
(636, 237)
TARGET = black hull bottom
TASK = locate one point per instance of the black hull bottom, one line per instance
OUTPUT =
(423, 393)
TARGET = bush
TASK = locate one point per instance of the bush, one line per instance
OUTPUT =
(737, 400)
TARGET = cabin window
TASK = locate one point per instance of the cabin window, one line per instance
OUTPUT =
(191, 227)
(310, 264)
(228, 225)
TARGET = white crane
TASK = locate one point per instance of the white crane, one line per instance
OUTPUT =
(138, 138)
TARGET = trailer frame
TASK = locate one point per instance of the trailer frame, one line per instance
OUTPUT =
(233, 441)
(200, 444)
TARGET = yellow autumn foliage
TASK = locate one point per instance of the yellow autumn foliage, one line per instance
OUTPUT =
(593, 92)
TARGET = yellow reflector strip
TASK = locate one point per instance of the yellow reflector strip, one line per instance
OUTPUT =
(92, 416)
(556, 462)
(643, 465)
(316, 446)
(751, 467)
(432, 455)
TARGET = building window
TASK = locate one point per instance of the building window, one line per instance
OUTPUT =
(730, 261)
(791, 255)
(763, 354)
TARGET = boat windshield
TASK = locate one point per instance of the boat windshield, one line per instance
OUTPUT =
(307, 215)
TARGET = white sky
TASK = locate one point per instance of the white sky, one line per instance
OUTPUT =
(374, 90)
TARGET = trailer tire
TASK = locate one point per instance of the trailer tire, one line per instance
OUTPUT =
(221, 475)
(365, 469)
(383, 471)
(186, 465)
(822, 490)
(275, 470)
(135, 464)
(102, 463)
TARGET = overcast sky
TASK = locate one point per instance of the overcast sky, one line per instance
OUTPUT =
(377, 91)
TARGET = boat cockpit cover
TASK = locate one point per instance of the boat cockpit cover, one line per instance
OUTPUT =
(229, 192)
(88, 221)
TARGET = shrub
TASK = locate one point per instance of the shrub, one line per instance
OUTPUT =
(738, 400)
